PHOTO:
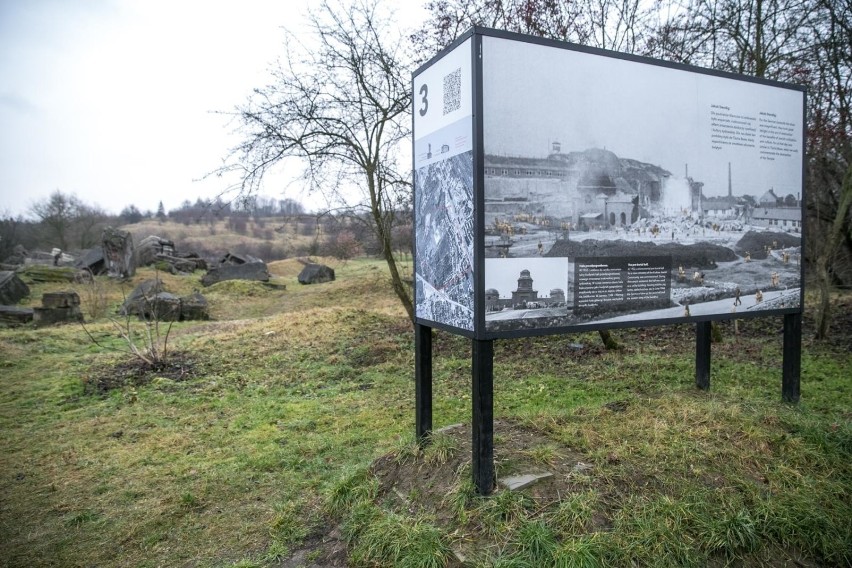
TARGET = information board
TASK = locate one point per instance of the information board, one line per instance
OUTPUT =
(561, 188)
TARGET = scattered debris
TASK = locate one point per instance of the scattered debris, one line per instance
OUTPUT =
(518, 482)
(154, 250)
(188, 258)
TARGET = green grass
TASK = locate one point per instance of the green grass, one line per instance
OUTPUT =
(269, 446)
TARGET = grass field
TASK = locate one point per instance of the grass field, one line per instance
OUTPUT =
(283, 436)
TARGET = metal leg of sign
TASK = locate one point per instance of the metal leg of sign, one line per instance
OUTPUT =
(483, 416)
(792, 363)
(702, 354)
(423, 382)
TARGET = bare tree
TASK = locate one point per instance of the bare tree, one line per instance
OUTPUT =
(67, 221)
(828, 72)
(341, 104)
(89, 224)
(546, 18)
(609, 24)
(57, 215)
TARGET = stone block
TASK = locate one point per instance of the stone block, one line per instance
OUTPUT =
(68, 299)
(49, 316)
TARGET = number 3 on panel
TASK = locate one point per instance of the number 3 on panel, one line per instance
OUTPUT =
(424, 90)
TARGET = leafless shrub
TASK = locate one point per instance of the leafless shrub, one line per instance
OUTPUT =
(94, 297)
(145, 339)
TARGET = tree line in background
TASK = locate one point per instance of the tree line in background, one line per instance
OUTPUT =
(274, 228)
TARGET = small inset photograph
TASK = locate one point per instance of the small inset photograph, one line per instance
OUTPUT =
(526, 288)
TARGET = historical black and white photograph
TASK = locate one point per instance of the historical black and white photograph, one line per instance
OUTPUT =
(525, 288)
(444, 255)
(665, 193)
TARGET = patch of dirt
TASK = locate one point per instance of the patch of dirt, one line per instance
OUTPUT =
(422, 484)
(319, 551)
(178, 366)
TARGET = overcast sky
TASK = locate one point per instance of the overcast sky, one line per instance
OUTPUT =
(112, 100)
(535, 95)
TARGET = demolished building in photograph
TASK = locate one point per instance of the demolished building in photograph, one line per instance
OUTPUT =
(590, 187)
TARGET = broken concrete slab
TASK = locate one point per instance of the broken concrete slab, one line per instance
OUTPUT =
(164, 306)
(200, 263)
(517, 482)
(175, 265)
(14, 316)
(236, 258)
(43, 273)
(135, 303)
(119, 253)
(150, 300)
(92, 260)
(150, 247)
(254, 271)
(65, 299)
(12, 288)
(316, 274)
(58, 307)
(51, 316)
(194, 307)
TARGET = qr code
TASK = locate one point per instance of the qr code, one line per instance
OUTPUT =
(452, 91)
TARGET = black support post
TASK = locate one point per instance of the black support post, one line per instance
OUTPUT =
(423, 382)
(792, 363)
(483, 416)
(702, 354)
